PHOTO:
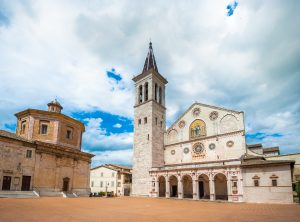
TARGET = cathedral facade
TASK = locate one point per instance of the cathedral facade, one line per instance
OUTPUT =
(202, 155)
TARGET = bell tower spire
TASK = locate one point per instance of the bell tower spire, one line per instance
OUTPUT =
(150, 60)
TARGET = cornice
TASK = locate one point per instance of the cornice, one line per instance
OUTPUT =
(207, 137)
(55, 115)
(150, 71)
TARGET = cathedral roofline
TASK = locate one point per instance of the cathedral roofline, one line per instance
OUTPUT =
(205, 105)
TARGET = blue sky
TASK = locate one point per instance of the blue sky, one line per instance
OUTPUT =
(243, 55)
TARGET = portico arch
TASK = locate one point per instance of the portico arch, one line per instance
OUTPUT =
(204, 192)
(220, 187)
(173, 186)
(162, 186)
(187, 183)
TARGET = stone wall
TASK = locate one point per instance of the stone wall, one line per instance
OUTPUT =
(14, 163)
(265, 192)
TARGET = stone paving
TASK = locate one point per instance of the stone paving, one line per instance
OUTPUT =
(140, 210)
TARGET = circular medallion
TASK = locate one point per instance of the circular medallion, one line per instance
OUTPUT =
(186, 150)
(181, 124)
(230, 143)
(213, 115)
(212, 146)
(198, 148)
(172, 152)
(196, 112)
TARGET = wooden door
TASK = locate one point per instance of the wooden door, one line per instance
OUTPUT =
(6, 183)
(66, 184)
(26, 183)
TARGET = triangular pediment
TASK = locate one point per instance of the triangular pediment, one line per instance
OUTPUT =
(202, 105)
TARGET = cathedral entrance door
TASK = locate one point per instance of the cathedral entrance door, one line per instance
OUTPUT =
(26, 183)
(174, 191)
(66, 184)
(6, 183)
(201, 189)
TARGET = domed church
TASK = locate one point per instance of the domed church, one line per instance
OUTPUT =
(202, 155)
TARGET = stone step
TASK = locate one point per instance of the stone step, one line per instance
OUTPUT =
(18, 194)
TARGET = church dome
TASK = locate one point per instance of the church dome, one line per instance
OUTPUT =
(54, 106)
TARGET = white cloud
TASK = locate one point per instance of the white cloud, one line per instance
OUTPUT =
(96, 138)
(123, 157)
(248, 61)
(117, 125)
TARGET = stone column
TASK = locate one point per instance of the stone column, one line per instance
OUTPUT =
(229, 190)
(241, 189)
(156, 187)
(195, 189)
(212, 188)
(180, 189)
(168, 188)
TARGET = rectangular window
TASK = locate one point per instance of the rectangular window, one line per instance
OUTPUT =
(161, 123)
(112, 183)
(113, 174)
(92, 185)
(101, 174)
(274, 183)
(101, 184)
(145, 120)
(43, 129)
(140, 121)
(156, 121)
(23, 126)
(69, 134)
(256, 183)
(28, 153)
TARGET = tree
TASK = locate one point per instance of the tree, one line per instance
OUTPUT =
(298, 190)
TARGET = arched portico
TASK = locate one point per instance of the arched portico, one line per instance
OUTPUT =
(173, 186)
(204, 189)
(220, 187)
(187, 184)
(162, 186)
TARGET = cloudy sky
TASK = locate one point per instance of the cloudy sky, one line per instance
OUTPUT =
(242, 55)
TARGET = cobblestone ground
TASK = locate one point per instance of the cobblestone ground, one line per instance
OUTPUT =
(140, 210)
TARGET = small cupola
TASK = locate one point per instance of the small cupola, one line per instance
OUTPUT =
(54, 106)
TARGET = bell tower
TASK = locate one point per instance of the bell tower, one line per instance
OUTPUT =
(149, 124)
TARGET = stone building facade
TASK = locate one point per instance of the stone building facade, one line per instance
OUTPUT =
(203, 155)
(44, 155)
(111, 178)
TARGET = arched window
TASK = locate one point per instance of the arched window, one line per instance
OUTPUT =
(155, 92)
(160, 95)
(140, 94)
(197, 128)
(146, 91)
